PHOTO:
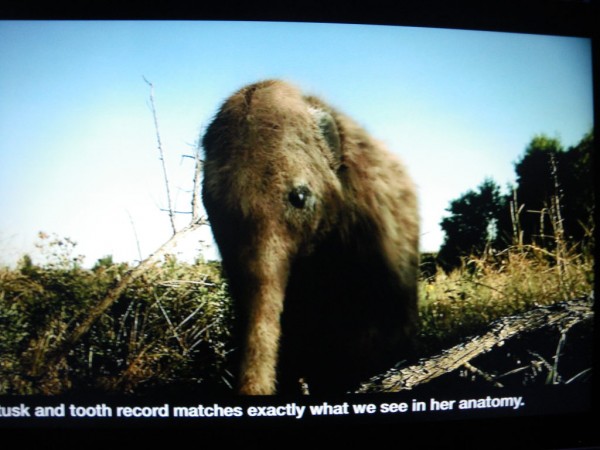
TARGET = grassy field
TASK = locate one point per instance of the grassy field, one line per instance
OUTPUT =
(463, 302)
(170, 327)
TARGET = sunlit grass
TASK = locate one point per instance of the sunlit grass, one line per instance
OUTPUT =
(483, 289)
(171, 326)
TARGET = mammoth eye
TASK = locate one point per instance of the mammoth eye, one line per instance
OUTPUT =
(299, 196)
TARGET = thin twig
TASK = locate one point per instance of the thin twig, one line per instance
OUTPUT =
(137, 241)
(199, 333)
(171, 326)
(481, 373)
(162, 158)
(176, 283)
(559, 349)
(192, 314)
(579, 375)
(196, 188)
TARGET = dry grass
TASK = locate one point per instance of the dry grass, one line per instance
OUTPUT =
(495, 285)
(170, 328)
(516, 279)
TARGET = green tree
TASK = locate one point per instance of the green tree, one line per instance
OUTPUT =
(536, 185)
(472, 223)
(576, 183)
(553, 198)
(555, 190)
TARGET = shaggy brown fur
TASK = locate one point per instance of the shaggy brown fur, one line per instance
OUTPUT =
(317, 226)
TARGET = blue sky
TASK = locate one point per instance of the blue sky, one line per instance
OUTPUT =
(78, 152)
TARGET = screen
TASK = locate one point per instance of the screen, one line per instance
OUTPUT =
(235, 227)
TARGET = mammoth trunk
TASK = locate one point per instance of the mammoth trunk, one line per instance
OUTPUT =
(262, 306)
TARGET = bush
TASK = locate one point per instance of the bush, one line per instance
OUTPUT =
(169, 328)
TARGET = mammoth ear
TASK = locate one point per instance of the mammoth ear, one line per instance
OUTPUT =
(329, 130)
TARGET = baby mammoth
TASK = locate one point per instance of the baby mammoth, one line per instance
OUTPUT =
(317, 226)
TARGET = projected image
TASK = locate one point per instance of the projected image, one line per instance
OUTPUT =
(294, 209)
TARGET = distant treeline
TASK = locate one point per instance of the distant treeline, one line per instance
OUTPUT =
(552, 203)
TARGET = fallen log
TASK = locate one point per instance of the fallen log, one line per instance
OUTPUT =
(561, 316)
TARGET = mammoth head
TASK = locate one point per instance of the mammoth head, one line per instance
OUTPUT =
(271, 191)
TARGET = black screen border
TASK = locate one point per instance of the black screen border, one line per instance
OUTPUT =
(554, 17)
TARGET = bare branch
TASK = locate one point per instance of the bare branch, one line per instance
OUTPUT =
(137, 241)
(176, 212)
(196, 188)
(162, 158)
(54, 357)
